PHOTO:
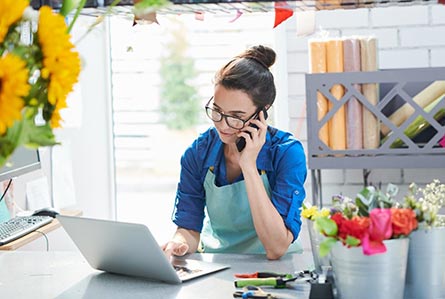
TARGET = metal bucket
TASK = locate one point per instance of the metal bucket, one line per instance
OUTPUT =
(425, 276)
(375, 276)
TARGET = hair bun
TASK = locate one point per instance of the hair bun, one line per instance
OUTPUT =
(262, 54)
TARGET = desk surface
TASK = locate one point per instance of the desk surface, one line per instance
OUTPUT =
(39, 274)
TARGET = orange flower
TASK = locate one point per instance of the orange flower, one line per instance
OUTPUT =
(403, 221)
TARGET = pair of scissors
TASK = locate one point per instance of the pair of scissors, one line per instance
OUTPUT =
(253, 292)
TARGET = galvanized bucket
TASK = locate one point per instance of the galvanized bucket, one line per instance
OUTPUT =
(425, 276)
(375, 276)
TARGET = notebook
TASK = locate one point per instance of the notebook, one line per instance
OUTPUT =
(130, 249)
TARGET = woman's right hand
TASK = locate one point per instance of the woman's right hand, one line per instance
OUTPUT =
(175, 248)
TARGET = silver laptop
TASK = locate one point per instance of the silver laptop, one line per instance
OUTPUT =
(130, 249)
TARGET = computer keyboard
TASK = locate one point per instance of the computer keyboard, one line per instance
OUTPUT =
(19, 226)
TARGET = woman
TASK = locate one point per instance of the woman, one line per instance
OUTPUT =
(234, 199)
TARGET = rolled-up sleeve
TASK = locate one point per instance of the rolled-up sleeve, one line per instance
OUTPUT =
(288, 192)
(190, 194)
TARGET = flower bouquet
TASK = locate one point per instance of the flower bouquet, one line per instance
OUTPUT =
(367, 221)
(425, 277)
(367, 243)
(38, 68)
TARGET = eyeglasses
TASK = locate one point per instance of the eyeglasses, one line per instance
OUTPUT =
(232, 121)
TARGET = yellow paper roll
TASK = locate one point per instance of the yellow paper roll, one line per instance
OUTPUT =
(337, 124)
(371, 125)
(317, 54)
(423, 99)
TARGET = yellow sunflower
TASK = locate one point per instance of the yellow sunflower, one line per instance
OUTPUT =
(61, 63)
(10, 12)
(13, 86)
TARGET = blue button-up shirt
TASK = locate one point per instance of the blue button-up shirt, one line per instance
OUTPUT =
(282, 157)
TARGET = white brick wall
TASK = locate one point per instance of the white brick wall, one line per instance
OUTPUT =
(352, 18)
(403, 58)
(408, 36)
(422, 36)
(438, 14)
(399, 16)
(438, 57)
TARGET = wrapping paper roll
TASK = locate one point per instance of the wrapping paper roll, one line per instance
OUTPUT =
(354, 122)
(420, 123)
(328, 4)
(317, 56)
(423, 99)
(337, 124)
(371, 125)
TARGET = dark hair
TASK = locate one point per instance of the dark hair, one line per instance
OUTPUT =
(250, 73)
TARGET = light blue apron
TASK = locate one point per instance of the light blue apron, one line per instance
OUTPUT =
(228, 225)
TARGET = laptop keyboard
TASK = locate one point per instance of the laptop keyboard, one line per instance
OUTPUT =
(19, 226)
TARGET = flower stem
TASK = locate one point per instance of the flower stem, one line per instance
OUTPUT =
(76, 14)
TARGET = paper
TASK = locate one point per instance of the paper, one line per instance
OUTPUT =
(354, 121)
(317, 57)
(420, 123)
(371, 125)
(37, 194)
(337, 124)
(305, 22)
(423, 99)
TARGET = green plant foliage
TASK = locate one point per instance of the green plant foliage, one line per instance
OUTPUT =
(370, 198)
(179, 100)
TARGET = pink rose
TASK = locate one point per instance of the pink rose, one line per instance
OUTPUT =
(381, 227)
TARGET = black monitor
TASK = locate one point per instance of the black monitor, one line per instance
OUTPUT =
(22, 161)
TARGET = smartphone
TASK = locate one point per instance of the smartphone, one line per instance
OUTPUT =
(241, 142)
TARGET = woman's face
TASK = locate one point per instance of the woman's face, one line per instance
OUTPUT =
(231, 102)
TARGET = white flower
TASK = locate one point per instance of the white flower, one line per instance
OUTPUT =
(31, 14)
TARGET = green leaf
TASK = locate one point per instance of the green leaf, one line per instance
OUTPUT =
(10, 141)
(326, 226)
(352, 241)
(40, 136)
(326, 246)
(362, 208)
(68, 6)
(148, 4)
(392, 190)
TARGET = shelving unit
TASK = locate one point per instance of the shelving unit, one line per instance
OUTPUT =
(97, 7)
(396, 87)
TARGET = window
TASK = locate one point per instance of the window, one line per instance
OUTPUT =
(147, 152)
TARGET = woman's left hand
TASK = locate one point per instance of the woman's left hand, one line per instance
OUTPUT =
(254, 141)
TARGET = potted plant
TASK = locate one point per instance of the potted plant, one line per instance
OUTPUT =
(425, 277)
(367, 242)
